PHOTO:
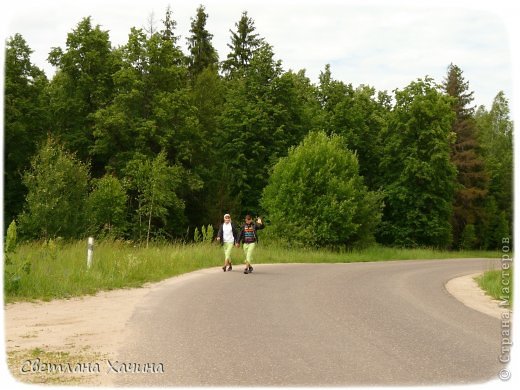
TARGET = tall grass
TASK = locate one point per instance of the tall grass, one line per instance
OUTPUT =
(59, 270)
(498, 284)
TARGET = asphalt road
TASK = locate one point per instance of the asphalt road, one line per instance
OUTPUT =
(380, 323)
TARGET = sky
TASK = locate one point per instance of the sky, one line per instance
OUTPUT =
(384, 44)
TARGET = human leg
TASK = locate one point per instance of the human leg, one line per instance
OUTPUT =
(248, 251)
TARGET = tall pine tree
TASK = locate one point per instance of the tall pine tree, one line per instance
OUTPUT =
(244, 43)
(202, 53)
(472, 179)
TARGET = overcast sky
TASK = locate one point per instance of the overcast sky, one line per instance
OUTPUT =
(385, 44)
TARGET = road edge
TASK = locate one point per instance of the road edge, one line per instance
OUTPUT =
(466, 290)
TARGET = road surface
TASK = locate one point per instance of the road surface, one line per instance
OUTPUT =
(377, 323)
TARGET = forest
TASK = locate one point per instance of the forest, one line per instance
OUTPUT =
(146, 142)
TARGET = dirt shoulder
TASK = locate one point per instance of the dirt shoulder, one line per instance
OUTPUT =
(467, 291)
(87, 330)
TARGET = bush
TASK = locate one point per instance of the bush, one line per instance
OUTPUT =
(107, 206)
(57, 191)
(316, 197)
(197, 235)
(13, 273)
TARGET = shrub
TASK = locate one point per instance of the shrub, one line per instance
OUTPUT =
(57, 192)
(316, 197)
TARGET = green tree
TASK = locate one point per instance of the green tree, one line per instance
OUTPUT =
(259, 121)
(168, 32)
(82, 85)
(156, 184)
(418, 174)
(202, 52)
(25, 120)
(208, 93)
(57, 192)
(358, 115)
(156, 109)
(472, 179)
(316, 197)
(244, 43)
(106, 206)
(152, 109)
(495, 134)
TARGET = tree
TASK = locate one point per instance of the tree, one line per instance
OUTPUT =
(419, 177)
(358, 115)
(82, 85)
(495, 135)
(316, 197)
(155, 109)
(259, 121)
(495, 130)
(168, 31)
(156, 184)
(152, 110)
(202, 52)
(472, 179)
(106, 206)
(244, 43)
(207, 96)
(25, 120)
(57, 192)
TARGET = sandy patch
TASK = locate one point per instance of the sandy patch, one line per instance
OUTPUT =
(88, 329)
(467, 291)
(80, 327)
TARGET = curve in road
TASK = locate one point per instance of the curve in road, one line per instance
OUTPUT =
(376, 323)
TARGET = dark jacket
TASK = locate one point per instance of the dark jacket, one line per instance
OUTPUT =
(255, 226)
(220, 233)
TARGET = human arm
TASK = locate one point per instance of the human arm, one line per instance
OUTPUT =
(240, 236)
(259, 225)
(220, 233)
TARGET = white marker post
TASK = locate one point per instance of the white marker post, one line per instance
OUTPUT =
(90, 251)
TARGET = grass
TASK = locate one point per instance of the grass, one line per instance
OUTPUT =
(21, 362)
(498, 284)
(59, 270)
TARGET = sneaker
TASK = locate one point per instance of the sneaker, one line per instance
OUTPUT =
(250, 269)
(246, 271)
(230, 268)
(224, 268)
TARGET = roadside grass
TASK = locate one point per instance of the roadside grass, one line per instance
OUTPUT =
(498, 284)
(59, 269)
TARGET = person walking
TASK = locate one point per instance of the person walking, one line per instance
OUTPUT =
(249, 239)
(227, 236)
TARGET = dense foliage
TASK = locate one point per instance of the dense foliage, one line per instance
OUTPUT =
(315, 195)
(146, 141)
(419, 178)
